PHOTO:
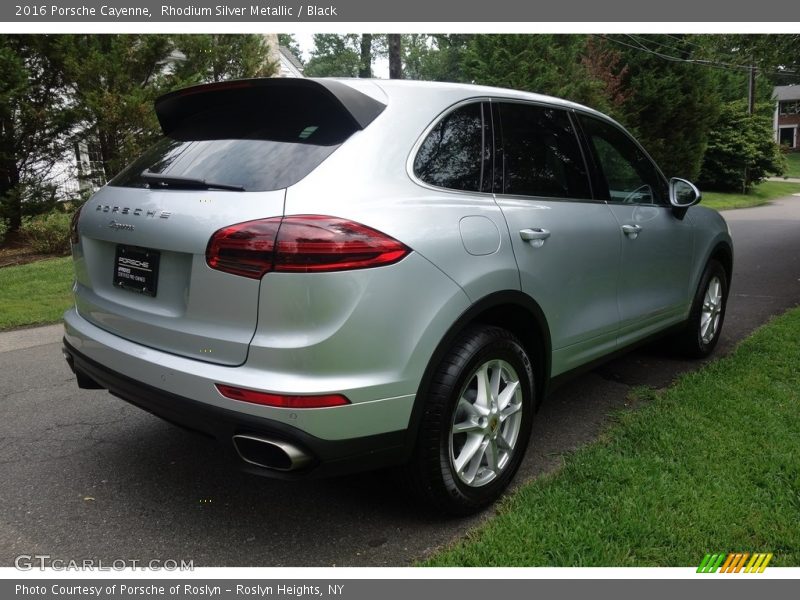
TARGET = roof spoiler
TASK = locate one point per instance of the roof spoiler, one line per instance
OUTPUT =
(279, 100)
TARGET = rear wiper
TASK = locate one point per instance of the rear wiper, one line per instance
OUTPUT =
(187, 182)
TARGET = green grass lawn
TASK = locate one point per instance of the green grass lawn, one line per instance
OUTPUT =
(712, 464)
(35, 293)
(760, 194)
(793, 158)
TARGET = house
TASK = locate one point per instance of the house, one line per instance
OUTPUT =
(289, 65)
(787, 116)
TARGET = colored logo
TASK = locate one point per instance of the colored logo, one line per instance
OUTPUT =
(734, 563)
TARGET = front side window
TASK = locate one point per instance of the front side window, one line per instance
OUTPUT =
(541, 155)
(630, 176)
(455, 155)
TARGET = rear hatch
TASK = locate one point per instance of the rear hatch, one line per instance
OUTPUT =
(228, 154)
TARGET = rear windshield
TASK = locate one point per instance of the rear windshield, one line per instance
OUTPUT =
(257, 165)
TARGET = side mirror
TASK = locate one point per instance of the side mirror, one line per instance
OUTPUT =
(682, 195)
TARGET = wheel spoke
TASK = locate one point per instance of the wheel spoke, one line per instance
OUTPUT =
(468, 452)
(492, 456)
(705, 324)
(468, 407)
(466, 427)
(503, 444)
(483, 397)
(494, 384)
(475, 461)
(507, 395)
(510, 410)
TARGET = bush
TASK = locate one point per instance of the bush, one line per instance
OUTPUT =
(739, 141)
(48, 234)
(3, 231)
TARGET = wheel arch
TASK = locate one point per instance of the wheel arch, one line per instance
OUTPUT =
(722, 252)
(512, 310)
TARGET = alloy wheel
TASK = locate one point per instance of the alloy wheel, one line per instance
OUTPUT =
(486, 423)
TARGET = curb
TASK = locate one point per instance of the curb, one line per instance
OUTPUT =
(20, 339)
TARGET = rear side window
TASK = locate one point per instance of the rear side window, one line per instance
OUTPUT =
(541, 155)
(456, 153)
(257, 165)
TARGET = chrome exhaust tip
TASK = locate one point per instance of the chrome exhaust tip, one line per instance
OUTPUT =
(270, 454)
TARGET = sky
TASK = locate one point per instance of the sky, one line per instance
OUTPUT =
(380, 66)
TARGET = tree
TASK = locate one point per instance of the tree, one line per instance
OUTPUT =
(671, 103)
(546, 64)
(113, 81)
(365, 63)
(740, 142)
(775, 56)
(604, 64)
(216, 57)
(438, 57)
(395, 56)
(35, 122)
(334, 55)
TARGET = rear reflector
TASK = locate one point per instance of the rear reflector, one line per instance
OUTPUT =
(300, 244)
(281, 400)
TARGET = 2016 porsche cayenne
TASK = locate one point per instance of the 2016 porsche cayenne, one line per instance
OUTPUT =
(336, 275)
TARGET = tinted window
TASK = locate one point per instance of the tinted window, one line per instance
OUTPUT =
(631, 177)
(541, 155)
(456, 152)
(257, 165)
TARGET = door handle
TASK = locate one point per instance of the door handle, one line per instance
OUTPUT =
(632, 231)
(535, 234)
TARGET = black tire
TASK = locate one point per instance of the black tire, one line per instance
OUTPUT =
(690, 341)
(431, 473)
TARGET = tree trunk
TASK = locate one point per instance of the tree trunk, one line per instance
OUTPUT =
(365, 66)
(395, 61)
(109, 152)
(9, 180)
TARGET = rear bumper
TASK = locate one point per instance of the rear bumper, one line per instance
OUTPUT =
(327, 457)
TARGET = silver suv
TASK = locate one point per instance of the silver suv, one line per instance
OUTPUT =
(339, 275)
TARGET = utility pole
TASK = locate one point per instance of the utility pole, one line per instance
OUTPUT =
(751, 101)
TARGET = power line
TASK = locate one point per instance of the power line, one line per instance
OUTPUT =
(685, 40)
(707, 63)
(639, 46)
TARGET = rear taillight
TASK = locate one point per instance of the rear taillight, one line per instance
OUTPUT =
(281, 400)
(244, 249)
(300, 244)
(74, 237)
